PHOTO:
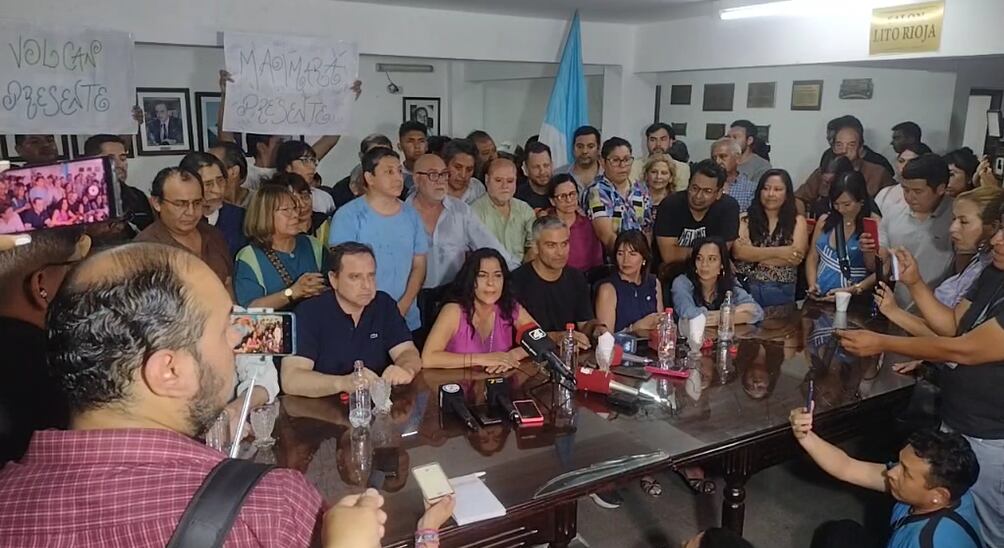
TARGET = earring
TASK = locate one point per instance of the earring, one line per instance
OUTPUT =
(44, 294)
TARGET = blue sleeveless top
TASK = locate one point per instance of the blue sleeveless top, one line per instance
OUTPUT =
(829, 276)
(634, 302)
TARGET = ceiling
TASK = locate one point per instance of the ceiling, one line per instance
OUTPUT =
(613, 11)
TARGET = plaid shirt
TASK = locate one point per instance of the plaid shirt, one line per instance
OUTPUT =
(631, 213)
(129, 487)
(743, 189)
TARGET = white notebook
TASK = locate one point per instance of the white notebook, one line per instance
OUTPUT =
(475, 502)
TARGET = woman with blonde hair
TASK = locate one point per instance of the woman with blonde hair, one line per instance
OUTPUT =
(659, 173)
(281, 266)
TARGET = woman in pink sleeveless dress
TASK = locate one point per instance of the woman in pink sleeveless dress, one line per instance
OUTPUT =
(477, 325)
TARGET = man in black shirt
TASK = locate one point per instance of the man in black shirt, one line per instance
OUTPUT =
(700, 211)
(538, 173)
(30, 275)
(553, 293)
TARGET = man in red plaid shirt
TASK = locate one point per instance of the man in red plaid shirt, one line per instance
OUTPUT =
(141, 343)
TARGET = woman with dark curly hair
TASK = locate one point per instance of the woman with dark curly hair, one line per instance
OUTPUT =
(477, 325)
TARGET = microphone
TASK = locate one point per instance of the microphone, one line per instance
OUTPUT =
(451, 401)
(841, 241)
(497, 392)
(535, 341)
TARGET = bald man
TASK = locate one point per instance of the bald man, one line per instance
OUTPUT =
(453, 231)
(508, 218)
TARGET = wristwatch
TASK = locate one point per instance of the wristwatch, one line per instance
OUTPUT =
(289, 294)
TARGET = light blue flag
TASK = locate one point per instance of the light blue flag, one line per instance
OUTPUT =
(568, 108)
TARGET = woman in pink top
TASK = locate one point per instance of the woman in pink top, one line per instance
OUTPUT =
(477, 325)
(584, 249)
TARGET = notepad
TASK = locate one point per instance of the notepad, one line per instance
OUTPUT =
(475, 502)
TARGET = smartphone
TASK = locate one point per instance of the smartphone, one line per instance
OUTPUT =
(486, 415)
(871, 227)
(895, 267)
(529, 413)
(811, 395)
(265, 333)
(432, 481)
(60, 194)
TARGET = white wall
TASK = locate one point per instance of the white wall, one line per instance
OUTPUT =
(797, 138)
(971, 27)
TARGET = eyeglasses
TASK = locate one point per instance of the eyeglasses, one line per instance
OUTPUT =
(697, 191)
(567, 197)
(185, 204)
(433, 175)
(620, 162)
(309, 160)
(289, 211)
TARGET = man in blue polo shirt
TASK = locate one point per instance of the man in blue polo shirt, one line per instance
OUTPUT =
(930, 483)
(352, 322)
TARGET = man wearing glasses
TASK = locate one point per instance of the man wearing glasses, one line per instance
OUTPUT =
(700, 211)
(614, 202)
(177, 198)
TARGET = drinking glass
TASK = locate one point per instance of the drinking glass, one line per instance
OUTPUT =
(380, 393)
(218, 435)
(262, 423)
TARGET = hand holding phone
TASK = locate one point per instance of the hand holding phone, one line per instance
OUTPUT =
(265, 333)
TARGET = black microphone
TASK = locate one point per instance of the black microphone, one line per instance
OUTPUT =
(451, 401)
(535, 341)
(841, 245)
(497, 397)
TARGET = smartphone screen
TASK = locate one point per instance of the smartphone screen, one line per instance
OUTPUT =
(528, 411)
(69, 193)
(266, 333)
(432, 481)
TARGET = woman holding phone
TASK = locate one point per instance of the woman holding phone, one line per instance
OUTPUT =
(835, 261)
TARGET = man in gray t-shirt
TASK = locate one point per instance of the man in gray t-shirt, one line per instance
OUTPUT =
(750, 164)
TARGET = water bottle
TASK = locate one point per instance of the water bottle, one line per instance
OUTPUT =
(569, 350)
(667, 340)
(726, 318)
(359, 398)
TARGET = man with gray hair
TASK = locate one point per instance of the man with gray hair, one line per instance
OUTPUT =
(30, 276)
(726, 152)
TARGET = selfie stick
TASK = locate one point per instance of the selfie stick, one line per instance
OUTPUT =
(236, 445)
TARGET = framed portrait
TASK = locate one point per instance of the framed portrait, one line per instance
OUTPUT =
(680, 95)
(77, 142)
(718, 97)
(207, 108)
(9, 142)
(806, 94)
(424, 110)
(760, 94)
(714, 132)
(167, 124)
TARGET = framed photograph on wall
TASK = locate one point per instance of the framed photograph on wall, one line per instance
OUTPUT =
(719, 97)
(207, 108)
(167, 124)
(763, 133)
(77, 142)
(680, 129)
(806, 94)
(8, 145)
(760, 94)
(856, 88)
(680, 95)
(424, 110)
(714, 132)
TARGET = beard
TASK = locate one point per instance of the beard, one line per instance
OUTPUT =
(205, 407)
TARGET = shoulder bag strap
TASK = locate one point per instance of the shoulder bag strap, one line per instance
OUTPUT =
(287, 280)
(211, 513)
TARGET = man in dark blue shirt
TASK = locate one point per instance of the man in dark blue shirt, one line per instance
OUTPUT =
(352, 322)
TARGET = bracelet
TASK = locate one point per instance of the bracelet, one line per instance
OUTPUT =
(423, 536)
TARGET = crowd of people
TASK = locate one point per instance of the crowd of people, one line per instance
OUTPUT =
(52, 196)
(430, 255)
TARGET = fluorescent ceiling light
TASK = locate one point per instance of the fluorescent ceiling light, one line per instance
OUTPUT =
(402, 67)
(790, 8)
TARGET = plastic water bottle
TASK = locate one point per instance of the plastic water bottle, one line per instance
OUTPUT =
(569, 350)
(667, 340)
(359, 398)
(726, 318)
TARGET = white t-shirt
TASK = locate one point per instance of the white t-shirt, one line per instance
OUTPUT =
(256, 175)
(323, 202)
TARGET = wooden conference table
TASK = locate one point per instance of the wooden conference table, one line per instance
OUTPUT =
(730, 416)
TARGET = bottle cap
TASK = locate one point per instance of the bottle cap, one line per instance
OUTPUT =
(569, 327)
(669, 310)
